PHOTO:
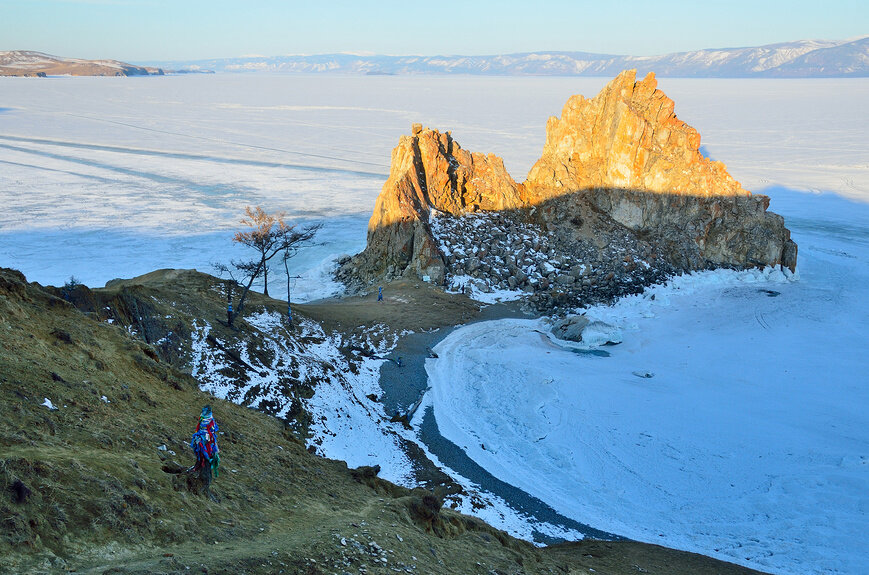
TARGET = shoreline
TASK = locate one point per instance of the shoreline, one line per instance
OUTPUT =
(404, 385)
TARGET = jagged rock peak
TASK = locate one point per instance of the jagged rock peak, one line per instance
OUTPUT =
(430, 170)
(627, 137)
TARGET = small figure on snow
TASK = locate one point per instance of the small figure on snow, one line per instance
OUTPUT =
(204, 444)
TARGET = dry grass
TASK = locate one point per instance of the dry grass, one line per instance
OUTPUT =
(85, 487)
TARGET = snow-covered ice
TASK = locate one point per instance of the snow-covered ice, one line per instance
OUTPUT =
(113, 177)
(744, 434)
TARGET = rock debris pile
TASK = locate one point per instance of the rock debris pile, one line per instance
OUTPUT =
(501, 251)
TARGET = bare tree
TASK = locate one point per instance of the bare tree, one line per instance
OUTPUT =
(266, 237)
(289, 250)
(269, 235)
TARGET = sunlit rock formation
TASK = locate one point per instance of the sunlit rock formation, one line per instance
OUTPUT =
(640, 164)
(619, 174)
(429, 171)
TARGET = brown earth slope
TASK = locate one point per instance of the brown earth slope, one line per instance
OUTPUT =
(87, 486)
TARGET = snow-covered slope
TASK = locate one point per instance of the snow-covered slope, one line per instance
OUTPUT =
(344, 423)
(806, 58)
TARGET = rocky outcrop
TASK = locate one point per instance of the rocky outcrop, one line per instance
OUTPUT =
(637, 162)
(629, 138)
(429, 172)
(620, 178)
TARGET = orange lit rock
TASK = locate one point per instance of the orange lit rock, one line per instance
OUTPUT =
(627, 137)
(430, 171)
(619, 160)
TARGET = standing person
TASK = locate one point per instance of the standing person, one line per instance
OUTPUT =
(229, 304)
(380, 293)
(204, 444)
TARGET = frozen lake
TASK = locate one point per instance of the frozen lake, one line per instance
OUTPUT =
(114, 177)
(749, 443)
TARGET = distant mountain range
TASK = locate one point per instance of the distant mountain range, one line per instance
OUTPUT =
(802, 59)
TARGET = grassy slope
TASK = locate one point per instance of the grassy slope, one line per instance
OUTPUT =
(99, 500)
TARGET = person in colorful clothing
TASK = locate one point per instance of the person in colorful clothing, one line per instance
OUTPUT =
(204, 444)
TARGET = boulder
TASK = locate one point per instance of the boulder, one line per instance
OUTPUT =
(601, 333)
(570, 328)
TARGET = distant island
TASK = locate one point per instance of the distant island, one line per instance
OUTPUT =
(29, 63)
(37, 64)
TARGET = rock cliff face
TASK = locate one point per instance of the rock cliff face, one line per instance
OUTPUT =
(619, 173)
(429, 171)
(636, 161)
(627, 137)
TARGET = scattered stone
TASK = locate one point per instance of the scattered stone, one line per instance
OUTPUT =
(20, 491)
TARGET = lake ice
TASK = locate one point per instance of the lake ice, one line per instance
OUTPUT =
(749, 443)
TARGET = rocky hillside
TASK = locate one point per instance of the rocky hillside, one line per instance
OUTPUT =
(93, 449)
(621, 196)
(29, 63)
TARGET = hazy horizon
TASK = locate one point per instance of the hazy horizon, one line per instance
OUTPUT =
(157, 30)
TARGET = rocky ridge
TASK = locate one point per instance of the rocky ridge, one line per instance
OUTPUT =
(620, 198)
(30, 63)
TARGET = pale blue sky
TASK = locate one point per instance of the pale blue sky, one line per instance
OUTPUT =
(142, 30)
